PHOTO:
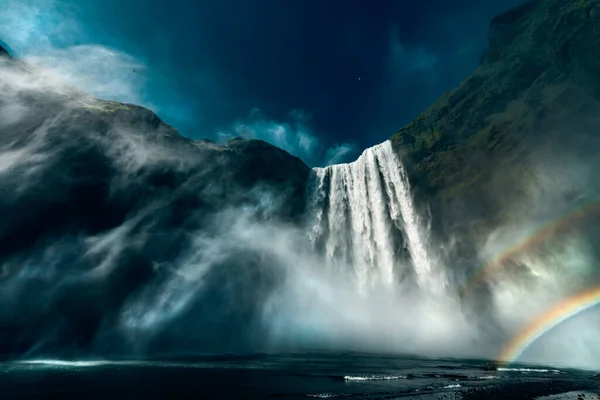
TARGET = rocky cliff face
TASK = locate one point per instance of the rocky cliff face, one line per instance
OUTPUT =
(97, 198)
(535, 94)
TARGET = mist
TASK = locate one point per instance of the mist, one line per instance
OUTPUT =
(125, 239)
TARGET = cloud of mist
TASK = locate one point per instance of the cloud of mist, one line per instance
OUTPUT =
(30, 25)
(46, 34)
(339, 153)
(294, 136)
(573, 343)
(97, 70)
(546, 243)
(307, 305)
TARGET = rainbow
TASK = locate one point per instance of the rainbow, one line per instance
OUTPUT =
(547, 321)
(530, 241)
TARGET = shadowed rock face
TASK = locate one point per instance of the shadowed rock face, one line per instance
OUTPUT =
(98, 197)
(535, 94)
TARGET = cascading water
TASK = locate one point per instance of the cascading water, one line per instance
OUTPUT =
(360, 209)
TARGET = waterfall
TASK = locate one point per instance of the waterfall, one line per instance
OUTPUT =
(359, 210)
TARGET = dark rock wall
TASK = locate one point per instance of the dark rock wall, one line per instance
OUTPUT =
(473, 152)
(99, 198)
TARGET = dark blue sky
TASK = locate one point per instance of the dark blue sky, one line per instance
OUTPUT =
(204, 66)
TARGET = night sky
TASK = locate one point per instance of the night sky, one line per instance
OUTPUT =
(322, 79)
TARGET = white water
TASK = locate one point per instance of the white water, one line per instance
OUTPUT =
(361, 210)
(374, 377)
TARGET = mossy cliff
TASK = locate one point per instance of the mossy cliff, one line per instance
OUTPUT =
(537, 83)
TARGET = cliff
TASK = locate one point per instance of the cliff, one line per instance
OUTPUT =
(537, 86)
(99, 198)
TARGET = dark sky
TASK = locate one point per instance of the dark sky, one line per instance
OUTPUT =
(327, 72)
